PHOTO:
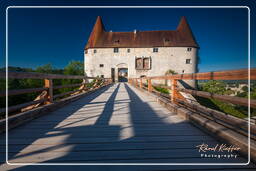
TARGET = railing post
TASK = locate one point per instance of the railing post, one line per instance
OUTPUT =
(49, 96)
(140, 82)
(174, 90)
(84, 84)
(149, 85)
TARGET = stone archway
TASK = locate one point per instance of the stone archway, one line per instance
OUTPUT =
(122, 72)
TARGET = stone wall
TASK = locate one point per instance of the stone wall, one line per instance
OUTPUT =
(166, 58)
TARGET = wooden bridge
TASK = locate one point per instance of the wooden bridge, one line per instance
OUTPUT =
(117, 123)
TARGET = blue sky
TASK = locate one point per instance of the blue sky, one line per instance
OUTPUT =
(57, 36)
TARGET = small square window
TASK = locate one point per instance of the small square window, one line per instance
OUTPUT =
(189, 49)
(94, 51)
(102, 76)
(155, 49)
(101, 65)
(188, 61)
(116, 50)
(128, 50)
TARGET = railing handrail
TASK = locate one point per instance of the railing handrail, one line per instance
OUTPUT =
(241, 74)
(36, 75)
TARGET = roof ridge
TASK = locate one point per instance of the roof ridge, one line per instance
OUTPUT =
(139, 31)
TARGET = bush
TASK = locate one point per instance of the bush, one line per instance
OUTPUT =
(162, 90)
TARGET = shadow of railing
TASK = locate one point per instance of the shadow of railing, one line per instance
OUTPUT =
(25, 138)
(150, 139)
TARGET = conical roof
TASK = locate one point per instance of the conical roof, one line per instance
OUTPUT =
(185, 31)
(96, 33)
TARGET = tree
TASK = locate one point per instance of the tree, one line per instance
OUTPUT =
(245, 88)
(213, 86)
(47, 68)
(74, 68)
(170, 72)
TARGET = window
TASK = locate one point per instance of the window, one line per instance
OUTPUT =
(101, 65)
(188, 61)
(139, 63)
(146, 63)
(116, 50)
(94, 51)
(128, 50)
(155, 49)
(102, 76)
(86, 51)
(143, 63)
(189, 49)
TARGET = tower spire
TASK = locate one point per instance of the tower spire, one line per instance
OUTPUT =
(99, 24)
(184, 26)
(185, 30)
(97, 31)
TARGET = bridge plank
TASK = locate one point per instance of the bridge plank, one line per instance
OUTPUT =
(119, 125)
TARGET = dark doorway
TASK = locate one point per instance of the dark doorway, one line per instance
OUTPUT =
(113, 74)
(122, 74)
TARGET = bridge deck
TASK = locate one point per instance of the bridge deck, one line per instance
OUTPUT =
(117, 124)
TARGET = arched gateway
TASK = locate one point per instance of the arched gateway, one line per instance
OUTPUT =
(122, 72)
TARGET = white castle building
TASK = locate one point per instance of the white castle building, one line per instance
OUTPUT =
(140, 53)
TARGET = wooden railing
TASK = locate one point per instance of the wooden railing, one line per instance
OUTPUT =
(176, 95)
(46, 96)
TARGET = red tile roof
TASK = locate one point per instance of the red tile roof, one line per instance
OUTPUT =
(181, 37)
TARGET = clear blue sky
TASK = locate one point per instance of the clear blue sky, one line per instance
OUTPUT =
(57, 36)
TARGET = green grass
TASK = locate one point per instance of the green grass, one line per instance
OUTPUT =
(162, 90)
(234, 110)
(222, 106)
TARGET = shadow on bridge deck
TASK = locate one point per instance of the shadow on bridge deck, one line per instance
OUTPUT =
(117, 124)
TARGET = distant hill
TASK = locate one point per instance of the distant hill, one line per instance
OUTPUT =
(17, 69)
(20, 69)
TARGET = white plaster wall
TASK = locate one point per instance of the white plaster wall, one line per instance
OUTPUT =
(166, 58)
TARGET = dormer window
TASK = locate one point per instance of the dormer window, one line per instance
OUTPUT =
(117, 41)
(116, 50)
(166, 40)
